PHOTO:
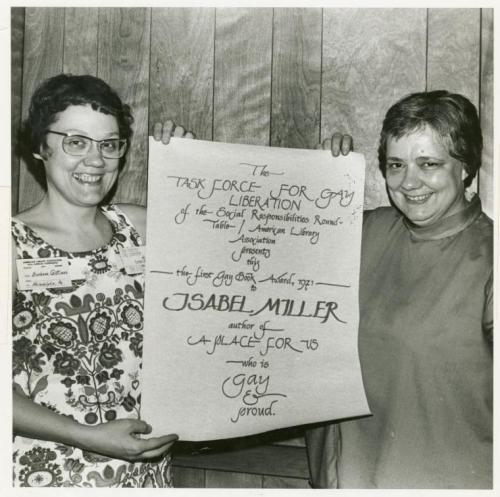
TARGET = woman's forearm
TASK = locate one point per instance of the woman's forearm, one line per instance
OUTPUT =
(36, 421)
(120, 438)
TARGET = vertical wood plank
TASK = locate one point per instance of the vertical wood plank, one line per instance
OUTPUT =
(453, 51)
(16, 86)
(227, 479)
(296, 79)
(182, 66)
(80, 40)
(43, 57)
(43, 47)
(486, 178)
(123, 62)
(188, 477)
(453, 62)
(371, 58)
(242, 93)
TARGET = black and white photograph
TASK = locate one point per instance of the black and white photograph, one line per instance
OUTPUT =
(252, 247)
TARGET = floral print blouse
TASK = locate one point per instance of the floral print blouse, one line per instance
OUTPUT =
(77, 350)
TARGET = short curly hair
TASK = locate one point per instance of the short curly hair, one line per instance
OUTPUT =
(57, 93)
(451, 115)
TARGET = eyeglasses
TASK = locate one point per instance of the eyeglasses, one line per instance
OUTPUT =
(112, 148)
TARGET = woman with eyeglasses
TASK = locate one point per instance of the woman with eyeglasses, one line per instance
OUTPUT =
(78, 300)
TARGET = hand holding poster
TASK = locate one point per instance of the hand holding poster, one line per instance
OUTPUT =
(251, 303)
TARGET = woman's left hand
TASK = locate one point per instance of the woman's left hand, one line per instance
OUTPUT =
(164, 131)
(338, 144)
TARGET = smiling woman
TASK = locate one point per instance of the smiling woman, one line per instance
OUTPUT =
(78, 305)
(429, 153)
(426, 314)
(423, 180)
(75, 105)
(82, 174)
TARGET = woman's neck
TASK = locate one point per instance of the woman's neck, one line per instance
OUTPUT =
(69, 214)
(72, 228)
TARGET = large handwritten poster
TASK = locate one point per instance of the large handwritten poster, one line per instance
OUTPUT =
(251, 303)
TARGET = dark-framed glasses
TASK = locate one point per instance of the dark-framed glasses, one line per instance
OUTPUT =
(111, 148)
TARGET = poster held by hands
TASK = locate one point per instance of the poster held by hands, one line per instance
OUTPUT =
(251, 302)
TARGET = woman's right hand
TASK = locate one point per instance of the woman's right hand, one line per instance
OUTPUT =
(121, 439)
(338, 144)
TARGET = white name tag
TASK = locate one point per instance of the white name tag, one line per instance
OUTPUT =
(133, 259)
(53, 272)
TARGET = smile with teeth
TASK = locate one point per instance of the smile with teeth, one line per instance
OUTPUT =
(87, 178)
(418, 198)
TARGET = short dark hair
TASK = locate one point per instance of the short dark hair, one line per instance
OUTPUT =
(57, 93)
(451, 115)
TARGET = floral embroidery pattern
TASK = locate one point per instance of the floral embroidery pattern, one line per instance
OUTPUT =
(63, 333)
(78, 352)
(131, 315)
(99, 264)
(23, 318)
(100, 324)
(39, 469)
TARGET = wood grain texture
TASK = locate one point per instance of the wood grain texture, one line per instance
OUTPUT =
(280, 482)
(80, 40)
(228, 479)
(371, 58)
(242, 90)
(453, 51)
(486, 178)
(182, 67)
(123, 62)
(453, 62)
(271, 460)
(43, 56)
(16, 90)
(188, 477)
(296, 78)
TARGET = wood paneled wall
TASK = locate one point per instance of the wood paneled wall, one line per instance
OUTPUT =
(284, 77)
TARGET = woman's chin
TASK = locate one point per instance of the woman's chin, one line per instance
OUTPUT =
(87, 195)
(420, 216)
